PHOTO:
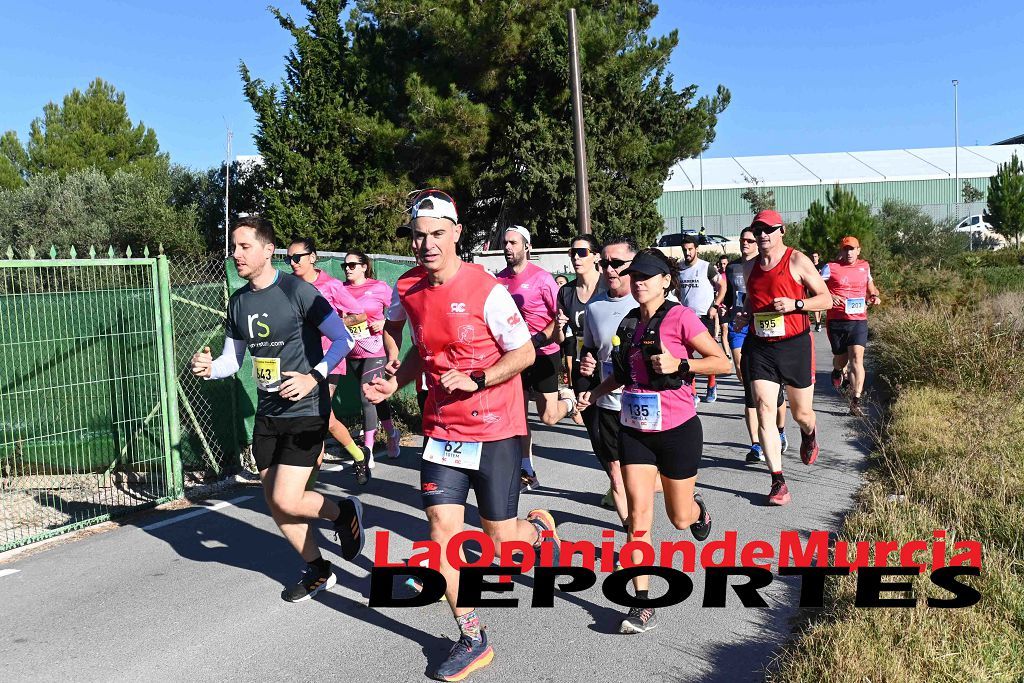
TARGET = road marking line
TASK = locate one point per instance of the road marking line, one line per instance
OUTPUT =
(195, 513)
(8, 572)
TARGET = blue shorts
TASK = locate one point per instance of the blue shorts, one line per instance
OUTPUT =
(736, 339)
(496, 483)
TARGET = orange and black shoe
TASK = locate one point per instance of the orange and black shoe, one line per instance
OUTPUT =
(543, 521)
(312, 582)
(467, 655)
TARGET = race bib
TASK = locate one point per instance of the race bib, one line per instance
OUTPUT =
(359, 331)
(462, 454)
(641, 411)
(770, 324)
(855, 306)
(267, 372)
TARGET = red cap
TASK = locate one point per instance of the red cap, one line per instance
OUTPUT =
(768, 217)
(849, 241)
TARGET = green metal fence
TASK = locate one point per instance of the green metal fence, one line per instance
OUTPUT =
(88, 411)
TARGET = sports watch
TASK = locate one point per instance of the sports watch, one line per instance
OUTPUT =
(799, 304)
(479, 377)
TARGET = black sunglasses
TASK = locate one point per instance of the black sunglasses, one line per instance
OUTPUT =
(748, 241)
(295, 258)
(765, 229)
(579, 252)
(349, 265)
(615, 263)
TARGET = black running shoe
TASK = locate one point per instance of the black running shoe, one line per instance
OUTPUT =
(638, 620)
(702, 527)
(312, 582)
(361, 468)
(466, 656)
(351, 543)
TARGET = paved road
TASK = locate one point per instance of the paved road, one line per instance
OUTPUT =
(198, 597)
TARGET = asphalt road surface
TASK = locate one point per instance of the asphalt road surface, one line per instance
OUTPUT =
(194, 594)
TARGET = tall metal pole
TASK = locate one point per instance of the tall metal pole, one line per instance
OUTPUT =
(578, 137)
(956, 148)
(700, 157)
(227, 193)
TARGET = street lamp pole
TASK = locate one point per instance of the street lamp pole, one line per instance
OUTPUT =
(579, 135)
(956, 148)
(700, 158)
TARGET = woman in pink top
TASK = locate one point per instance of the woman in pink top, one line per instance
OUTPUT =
(660, 431)
(302, 259)
(368, 358)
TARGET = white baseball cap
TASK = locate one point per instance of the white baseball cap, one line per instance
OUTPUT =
(430, 204)
(521, 230)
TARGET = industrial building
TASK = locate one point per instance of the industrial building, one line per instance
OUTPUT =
(930, 178)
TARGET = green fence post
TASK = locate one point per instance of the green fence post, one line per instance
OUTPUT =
(177, 487)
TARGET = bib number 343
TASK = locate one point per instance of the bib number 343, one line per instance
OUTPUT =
(462, 454)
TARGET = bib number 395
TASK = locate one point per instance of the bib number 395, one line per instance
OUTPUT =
(462, 454)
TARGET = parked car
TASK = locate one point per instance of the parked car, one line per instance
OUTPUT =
(975, 223)
(676, 239)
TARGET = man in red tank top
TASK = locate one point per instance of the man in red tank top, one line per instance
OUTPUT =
(783, 286)
(852, 288)
(472, 343)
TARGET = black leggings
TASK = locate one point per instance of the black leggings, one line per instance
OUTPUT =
(364, 370)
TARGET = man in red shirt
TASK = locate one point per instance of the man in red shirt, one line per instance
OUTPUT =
(472, 343)
(779, 349)
(852, 288)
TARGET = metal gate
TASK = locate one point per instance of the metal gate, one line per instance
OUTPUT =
(88, 410)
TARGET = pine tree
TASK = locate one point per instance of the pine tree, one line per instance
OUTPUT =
(1006, 199)
(842, 214)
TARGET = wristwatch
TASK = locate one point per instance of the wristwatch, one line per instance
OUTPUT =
(799, 304)
(315, 374)
(479, 377)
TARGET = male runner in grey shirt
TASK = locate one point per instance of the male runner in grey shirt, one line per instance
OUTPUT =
(279, 318)
(604, 312)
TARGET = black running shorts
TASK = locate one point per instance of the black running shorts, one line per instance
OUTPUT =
(676, 452)
(542, 376)
(603, 428)
(496, 483)
(789, 362)
(842, 334)
(294, 441)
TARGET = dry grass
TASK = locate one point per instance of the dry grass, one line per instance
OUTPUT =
(952, 458)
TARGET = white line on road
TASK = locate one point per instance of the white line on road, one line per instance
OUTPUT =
(8, 572)
(195, 513)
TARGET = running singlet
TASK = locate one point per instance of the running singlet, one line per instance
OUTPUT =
(279, 325)
(341, 301)
(763, 287)
(851, 283)
(574, 309)
(604, 313)
(737, 284)
(535, 293)
(696, 286)
(466, 324)
(656, 411)
(374, 297)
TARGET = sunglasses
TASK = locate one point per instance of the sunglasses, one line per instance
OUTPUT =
(765, 229)
(295, 258)
(350, 265)
(748, 241)
(615, 263)
(579, 252)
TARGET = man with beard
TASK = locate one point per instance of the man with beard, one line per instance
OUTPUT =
(699, 284)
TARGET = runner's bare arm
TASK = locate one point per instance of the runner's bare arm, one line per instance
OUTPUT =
(711, 362)
(510, 365)
(589, 398)
(392, 333)
(876, 296)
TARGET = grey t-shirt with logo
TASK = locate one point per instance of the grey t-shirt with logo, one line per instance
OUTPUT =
(279, 325)
(604, 313)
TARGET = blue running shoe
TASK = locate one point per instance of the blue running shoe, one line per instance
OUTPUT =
(755, 454)
(712, 394)
(783, 440)
(467, 656)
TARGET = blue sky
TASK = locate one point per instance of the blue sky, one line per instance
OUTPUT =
(805, 76)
